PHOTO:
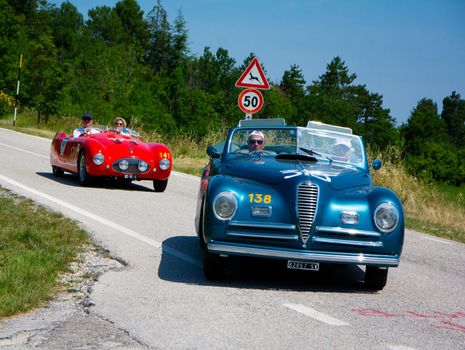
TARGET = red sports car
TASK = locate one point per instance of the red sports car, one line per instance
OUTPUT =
(106, 153)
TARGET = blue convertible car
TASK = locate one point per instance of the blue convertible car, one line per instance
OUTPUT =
(300, 194)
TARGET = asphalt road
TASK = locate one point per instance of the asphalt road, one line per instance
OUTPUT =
(159, 298)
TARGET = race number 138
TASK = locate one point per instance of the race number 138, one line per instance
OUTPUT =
(250, 101)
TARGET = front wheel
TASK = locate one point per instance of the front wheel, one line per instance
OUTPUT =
(213, 265)
(160, 185)
(84, 178)
(57, 171)
(376, 277)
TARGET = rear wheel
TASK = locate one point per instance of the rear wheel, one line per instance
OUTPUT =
(160, 185)
(57, 171)
(84, 178)
(376, 277)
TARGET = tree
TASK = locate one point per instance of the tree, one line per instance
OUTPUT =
(135, 28)
(105, 24)
(159, 51)
(179, 38)
(423, 125)
(67, 27)
(335, 99)
(293, 85)
(453, 113)
(43, 75)
(427, 150)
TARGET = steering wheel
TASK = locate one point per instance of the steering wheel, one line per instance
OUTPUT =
(260, 152)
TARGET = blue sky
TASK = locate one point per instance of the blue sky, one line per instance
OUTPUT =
(404, 50)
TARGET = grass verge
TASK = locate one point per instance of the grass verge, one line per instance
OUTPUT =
(428, 208)
(36, 246)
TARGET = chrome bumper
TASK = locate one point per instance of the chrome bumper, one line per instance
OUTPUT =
(314, 256)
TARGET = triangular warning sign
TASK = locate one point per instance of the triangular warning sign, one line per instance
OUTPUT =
(253, 77)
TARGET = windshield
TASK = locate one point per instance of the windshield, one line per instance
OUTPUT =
(320, 144)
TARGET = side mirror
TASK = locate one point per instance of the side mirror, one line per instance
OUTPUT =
(376, 164)
(213, 153)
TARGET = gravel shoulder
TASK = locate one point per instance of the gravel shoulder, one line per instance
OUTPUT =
(68, 321)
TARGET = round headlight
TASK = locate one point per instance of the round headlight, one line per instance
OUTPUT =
(123, 164)
(225, 205)
(386, 217)
(142, 166)
(99, 159)
(164, 164)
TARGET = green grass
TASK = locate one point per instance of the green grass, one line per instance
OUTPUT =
(36, 245)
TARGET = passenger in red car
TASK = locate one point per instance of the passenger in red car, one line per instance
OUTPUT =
(86, 127)
(120, 125)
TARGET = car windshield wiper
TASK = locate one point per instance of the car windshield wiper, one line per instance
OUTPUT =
(313, 153)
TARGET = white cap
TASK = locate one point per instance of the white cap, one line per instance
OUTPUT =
(256, 133)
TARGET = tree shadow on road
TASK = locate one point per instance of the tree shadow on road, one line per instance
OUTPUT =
(182, 263)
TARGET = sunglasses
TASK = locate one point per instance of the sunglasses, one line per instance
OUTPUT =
(119, 124)
(251, 142)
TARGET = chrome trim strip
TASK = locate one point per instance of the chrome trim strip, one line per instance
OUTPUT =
(315, 256)
(264, 225)
(346, 242)
(347, 231)
(262, 235)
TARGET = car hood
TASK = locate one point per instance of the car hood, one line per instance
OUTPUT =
(274, 171)
(121, 144)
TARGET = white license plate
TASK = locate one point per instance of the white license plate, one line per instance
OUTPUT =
(302, 265)
(130, 176)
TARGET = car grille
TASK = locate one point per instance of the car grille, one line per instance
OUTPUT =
(307, 202)
(132, 166)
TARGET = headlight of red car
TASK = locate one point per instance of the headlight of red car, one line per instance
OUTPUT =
(142, 166)
(164, 164)
(99, 159)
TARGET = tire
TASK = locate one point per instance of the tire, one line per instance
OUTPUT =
(160, 185)
(57, 172)
(201, 229)
(213, 266)
(376, 277)
(83, 176)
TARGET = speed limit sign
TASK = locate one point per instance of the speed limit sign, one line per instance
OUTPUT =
(250, 101)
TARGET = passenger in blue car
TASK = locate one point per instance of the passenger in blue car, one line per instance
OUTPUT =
(256, 141)
(341, 152)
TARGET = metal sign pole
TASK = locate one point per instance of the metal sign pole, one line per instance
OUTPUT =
(17, 88)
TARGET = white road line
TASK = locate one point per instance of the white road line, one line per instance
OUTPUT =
(316, 315)
(23, 150)
(106, 222)
(399, 347)
(437, 240)
(186, 176)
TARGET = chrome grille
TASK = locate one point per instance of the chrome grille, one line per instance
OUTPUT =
(307, 201)
(132, 166)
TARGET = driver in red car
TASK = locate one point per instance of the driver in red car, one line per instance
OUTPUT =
(86, 127)
(256, 141)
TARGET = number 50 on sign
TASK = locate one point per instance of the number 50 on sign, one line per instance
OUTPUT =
(250, 101)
